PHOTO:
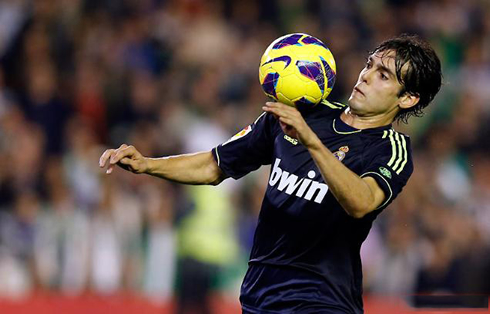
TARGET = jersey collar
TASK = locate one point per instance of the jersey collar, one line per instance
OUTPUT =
(340, 127)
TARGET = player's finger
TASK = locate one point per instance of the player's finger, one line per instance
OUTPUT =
(272, 110)
(279, 105)
(270, 106)
(286, 121)
(121, 152)
(109, 169)
(104, 157)
(274, 104)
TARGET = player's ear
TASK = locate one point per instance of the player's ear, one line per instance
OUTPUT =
(408, 100)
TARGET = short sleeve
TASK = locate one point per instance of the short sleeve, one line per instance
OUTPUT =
(247, 150)
(389, 162)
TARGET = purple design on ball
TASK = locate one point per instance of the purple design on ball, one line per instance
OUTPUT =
(313, 71)
(288, 41)
(310, 40)
(302, 102)
(285, 59)
(270, 83)
(329, 73)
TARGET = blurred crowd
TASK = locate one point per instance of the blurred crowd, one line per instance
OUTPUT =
(179, 76)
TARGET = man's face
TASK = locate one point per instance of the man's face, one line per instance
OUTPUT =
(377, 88)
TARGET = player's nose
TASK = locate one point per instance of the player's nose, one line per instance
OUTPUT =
(367, 74)
(364, 77)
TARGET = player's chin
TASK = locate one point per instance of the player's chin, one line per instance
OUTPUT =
(351, 102)
(355, 103)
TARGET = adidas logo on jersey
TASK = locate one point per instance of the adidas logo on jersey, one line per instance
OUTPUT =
(301, 187)
(290, 139)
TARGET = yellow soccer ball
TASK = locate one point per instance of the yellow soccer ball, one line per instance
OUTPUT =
(297, 69)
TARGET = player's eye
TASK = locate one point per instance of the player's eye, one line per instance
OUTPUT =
(383, 76)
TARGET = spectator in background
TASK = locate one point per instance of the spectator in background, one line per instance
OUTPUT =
(61, 245)
(160, 262)
(17, 237)
(205, 231)
(42, 102)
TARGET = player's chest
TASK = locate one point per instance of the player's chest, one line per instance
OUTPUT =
(347, 149)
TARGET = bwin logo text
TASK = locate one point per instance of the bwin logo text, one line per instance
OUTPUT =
(292, 184)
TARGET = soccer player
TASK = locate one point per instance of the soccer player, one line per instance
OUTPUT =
(334, 169)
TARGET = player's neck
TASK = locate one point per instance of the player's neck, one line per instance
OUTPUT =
(364, 122)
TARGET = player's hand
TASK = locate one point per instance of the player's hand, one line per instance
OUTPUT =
(126, 157)
(291, 121)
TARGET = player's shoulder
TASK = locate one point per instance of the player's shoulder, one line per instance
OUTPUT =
(395, 146)
(391, 151)
(263, 120)
(391, 135)
(388, 138)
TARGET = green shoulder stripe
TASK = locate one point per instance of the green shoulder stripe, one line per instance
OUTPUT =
(334, 105)
(399, 155)
(339, 104)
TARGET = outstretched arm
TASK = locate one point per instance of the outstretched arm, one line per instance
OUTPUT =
(358, 196)
(198, 168)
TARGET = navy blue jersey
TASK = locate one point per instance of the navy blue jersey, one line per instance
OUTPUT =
(305, 255)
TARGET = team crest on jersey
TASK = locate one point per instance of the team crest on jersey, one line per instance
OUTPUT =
(240, 134)
(340, 154)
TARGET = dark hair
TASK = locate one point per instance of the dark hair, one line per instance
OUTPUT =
(423, 77)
